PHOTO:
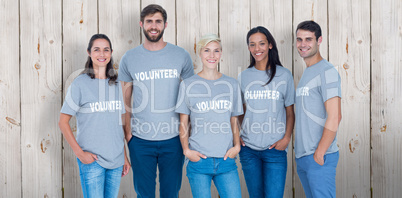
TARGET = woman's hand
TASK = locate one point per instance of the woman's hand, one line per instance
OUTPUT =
(87, 157)
(232, 152)
(281, 144)
(126, 167)
(194, 156)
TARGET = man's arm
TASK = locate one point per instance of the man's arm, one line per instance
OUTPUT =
(333, 108)
(127, 88)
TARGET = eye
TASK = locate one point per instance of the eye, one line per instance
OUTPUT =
(262, 43)
(251, 45)
(298, 39)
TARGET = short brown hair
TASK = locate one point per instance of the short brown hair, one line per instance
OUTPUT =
(152, 9)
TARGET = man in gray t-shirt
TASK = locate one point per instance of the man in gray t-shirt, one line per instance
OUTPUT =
(151, 74)
(318, 114)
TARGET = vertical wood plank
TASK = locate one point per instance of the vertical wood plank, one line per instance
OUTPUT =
(307, 10)
(349, 52)
(80, 22)
(234, 23)
(41, 41)
(194, 19)
(386, 62)
(119, 20)
(10, 130)
(274, 15)
(170, 7)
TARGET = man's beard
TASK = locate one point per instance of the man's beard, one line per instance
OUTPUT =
(155, 39)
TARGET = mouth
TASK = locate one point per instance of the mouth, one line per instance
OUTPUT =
(153, 32)
(102, 60)
(303, 49)
(258, 54)
(211, 61)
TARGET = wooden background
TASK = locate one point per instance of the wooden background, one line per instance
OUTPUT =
(43, 47)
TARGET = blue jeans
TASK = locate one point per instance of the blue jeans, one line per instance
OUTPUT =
(317, 180)
(264, 171)
(222, 172)
(146, 156)
(98, 182)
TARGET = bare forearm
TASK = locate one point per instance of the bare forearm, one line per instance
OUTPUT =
(184, 132)
(290, 121)
(68, 135)
(327, 138)
(235, 130)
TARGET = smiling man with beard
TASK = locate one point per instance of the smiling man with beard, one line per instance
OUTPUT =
(154, 99)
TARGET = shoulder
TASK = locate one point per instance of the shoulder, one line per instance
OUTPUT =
(283, 71)
(176, 49)
(82, 78)
(133, 51)
(229, 79)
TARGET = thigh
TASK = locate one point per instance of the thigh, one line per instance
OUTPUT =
(228, 184)
(143, 158)
(200, 184)
(252, 169)
(92, 179)
(112, 181)
(170, 165)
(302, 165)
(274, 172)
(322, 178)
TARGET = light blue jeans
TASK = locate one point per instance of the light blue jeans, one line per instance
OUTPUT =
(317, 180)
(99, 182)
(222, 172)
(264, 171)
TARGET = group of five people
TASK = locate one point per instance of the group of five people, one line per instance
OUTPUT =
(170, 116)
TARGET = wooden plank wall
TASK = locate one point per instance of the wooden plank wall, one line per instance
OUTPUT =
(44, 47)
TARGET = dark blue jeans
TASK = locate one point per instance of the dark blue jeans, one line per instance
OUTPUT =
(146, 155)
(223, 172)
(264, 171)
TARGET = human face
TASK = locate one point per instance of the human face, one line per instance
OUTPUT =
(153, 27)
(259, 47)
(210, 55)
(100, 53)
(307, 44)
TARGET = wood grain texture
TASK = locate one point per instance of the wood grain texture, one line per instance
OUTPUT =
(41, 44)
(120, 21)
(274, 15)
(80, 22)
(386, 76)
(194, 19)
(10, 126)
(307, 10)
(349, 52)
(170, 7)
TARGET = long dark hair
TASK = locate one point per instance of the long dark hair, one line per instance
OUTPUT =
(89, 68)
(273, 56)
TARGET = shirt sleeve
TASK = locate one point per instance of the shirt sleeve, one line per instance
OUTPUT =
(124, 74)
(290, 91)
(237, 101)
(71, 103)
(181, 105)
(330, 84)
(188, 68)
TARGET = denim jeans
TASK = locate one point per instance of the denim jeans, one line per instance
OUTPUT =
(222, 172)
(317, 180)
(146, 156)
(99, 182)
(264, 171)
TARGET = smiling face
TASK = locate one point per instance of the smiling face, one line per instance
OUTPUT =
(307, 43)
(153, 27)
(100, 53)
(259, 47)
(210, 55)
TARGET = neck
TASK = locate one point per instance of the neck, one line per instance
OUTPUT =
(261, 65)
(100, 73)
(313, 60)
(210, 74)
(154, 46)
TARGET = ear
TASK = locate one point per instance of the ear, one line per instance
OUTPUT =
(319, 40)
(141, 25)
(89, 54)
(166, 24)
(270, 46)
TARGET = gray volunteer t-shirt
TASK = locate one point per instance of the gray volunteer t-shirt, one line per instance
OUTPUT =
(156, 78)
(98, 107)
(264, 121)
(210, 104)
(318, 83)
